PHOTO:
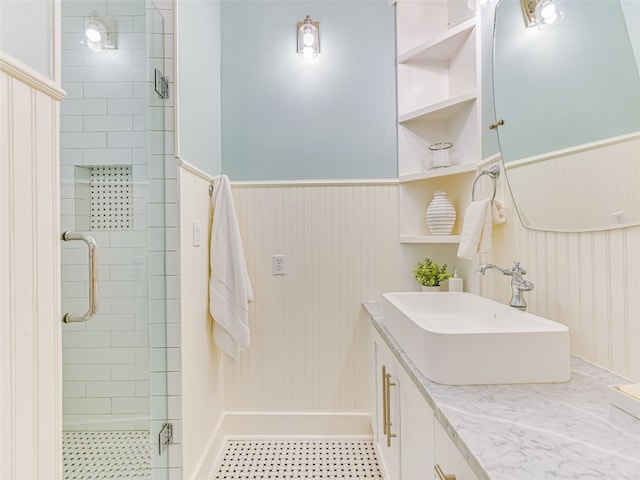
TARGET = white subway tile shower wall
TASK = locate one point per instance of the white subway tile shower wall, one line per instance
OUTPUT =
(100, 393)
(110, 380)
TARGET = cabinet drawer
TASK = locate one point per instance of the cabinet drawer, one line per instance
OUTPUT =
(448, 457)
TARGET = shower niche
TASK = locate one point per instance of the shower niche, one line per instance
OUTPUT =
(104, 198)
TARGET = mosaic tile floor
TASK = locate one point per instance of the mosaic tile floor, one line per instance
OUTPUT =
(293, 460)
(106, 455)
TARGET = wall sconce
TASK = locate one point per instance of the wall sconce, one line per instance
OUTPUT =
(100, 33)
(541, 12)
(308, 38)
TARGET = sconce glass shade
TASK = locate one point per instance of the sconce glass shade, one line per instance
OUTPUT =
(100, 33)
(93, 34)
(308, 38)
(538, 13)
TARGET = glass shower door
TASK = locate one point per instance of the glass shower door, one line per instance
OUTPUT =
(113, 191)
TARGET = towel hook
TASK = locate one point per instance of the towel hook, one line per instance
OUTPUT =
(493, 172)
(211, 190)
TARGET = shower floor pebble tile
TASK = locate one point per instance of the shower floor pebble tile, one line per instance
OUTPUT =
(106, 455)
(296, 460)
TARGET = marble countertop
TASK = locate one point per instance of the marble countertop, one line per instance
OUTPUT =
(533, 431)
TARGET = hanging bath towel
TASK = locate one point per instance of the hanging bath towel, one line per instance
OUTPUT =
(229, 287)
(477, 229)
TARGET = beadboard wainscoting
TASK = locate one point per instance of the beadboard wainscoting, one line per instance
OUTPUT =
(588, 281)
(308, 328)
(30, 330)
(305, 373)
(201, 361)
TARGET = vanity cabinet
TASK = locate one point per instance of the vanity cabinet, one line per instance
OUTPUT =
(409, 440)
(386, 424)
(416, 421)
(438, 83)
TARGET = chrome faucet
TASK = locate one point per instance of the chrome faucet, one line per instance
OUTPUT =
(518, 283)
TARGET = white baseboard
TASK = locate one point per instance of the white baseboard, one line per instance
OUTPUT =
(263, 425)
(208, 463)
(297, 425)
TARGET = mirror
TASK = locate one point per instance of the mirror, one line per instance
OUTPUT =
(569, 95)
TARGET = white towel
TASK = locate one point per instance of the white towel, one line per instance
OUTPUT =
(229, 287)
(477, 228)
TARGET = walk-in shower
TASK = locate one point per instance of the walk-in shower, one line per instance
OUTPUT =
(113, 190)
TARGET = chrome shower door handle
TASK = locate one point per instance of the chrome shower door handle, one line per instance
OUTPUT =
(93, 277)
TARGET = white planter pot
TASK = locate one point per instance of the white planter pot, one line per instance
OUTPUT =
(431, 289)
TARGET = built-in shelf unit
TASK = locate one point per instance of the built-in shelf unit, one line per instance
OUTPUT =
(438, 80)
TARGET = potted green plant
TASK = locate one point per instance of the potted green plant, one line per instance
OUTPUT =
(430, 275)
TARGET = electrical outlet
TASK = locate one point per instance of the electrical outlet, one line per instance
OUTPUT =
(196, 233)
(618, 218)
(279, 265)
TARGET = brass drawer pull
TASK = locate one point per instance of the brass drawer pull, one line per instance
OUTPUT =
(384, 400)
(442, 475)
(385, 427)
(387, 384)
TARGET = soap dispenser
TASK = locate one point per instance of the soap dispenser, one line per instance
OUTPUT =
(455, 282)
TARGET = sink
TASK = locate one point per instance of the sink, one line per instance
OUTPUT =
(465, 339)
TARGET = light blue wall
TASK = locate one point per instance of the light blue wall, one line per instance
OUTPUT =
(574, 83)
(286, 118)
(198, 57)
(26, 32)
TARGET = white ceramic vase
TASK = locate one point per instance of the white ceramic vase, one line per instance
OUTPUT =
(441, 214)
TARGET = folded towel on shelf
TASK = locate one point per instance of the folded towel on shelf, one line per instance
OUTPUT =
(229, 286)
(477, 228)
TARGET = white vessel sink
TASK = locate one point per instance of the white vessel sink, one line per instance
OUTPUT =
(465, 339)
